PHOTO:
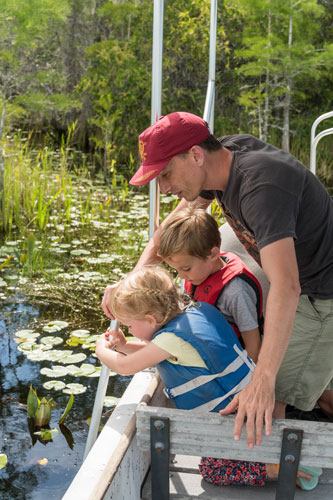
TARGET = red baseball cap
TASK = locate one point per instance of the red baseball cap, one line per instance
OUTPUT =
(169, 136)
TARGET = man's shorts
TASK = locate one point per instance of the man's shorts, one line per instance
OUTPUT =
(307, 368)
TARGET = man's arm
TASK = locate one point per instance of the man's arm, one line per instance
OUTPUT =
(149, 255)
(256, 401)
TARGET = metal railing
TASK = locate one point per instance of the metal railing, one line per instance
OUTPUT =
(316, 138)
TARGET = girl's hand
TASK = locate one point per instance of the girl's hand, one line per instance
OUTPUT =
(115, 338)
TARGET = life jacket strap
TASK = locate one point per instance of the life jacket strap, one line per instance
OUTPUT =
(204, 379)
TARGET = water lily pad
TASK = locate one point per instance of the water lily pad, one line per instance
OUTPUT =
(73, 358)
(80, 333)
(97, 372)
(51, 340)
(2, 283)
(110, 401)
(55, 326)
(27, 346)
(74, 389)
(57, 385)
(80, 252)
(57, 354)
(74, 370)
(27, 334)
(55, 371)
(38, 355)
(3, 460)
(87, 369)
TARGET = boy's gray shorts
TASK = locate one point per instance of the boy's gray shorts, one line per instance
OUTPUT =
(307, 368)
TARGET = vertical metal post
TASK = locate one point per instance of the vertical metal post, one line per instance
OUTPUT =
(160, 456)
(156, 96)
(289, 460)
(208, 115)
(99, 401)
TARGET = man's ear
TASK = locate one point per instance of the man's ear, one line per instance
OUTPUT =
(198, 154)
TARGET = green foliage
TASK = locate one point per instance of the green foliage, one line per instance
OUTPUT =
(90, 62)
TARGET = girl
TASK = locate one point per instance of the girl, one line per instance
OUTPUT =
(194, 349)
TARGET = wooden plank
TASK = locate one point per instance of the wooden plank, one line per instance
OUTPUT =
(187, 430)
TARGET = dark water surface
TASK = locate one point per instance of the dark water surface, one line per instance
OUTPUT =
(24, 478)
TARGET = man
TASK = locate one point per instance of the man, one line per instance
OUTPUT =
(284, 217)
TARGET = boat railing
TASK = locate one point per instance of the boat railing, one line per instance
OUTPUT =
(316, 138)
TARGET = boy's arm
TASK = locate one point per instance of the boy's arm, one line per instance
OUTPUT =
(252, 343)
(143, 357)
(149, 255)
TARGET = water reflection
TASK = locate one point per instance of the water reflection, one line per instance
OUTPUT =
(38, 469)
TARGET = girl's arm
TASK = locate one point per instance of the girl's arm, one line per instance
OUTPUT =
(143, 357)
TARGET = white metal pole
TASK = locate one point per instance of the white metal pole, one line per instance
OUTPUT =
(156, 107)
(99, 400)
(208, 115)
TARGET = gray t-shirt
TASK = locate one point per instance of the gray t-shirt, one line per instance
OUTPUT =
(270, 195)
(238, 304)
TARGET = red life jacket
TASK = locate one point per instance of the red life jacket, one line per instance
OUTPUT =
(212, 288)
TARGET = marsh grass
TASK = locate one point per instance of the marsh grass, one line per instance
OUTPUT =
(36, 185)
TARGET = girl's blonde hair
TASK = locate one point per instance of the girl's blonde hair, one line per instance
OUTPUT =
(149, 290)
(191, 231)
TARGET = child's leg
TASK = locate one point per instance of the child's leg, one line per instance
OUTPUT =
(225, 472)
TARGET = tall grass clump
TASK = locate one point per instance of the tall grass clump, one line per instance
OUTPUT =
(35, 184)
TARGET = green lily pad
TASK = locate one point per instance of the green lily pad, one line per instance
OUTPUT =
(57, 354)
(27, 346)
(87, 369)
(110, 401)
(3, 460)
(37, 355)
(55, 326)
(97, 372)
(27, 334)
(51, 340)
(57, 385)
(73, 358)
(79, 252)
(74, 389)
(80, 333)
(74, 370)
(55, 371)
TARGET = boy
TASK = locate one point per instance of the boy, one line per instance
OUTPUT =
(190, 243)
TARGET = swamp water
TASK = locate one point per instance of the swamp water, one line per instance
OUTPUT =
(70, 265)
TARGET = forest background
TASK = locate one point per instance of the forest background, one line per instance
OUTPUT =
(85, 66)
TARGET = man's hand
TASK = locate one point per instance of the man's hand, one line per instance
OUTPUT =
(106, 301)
(256, 404)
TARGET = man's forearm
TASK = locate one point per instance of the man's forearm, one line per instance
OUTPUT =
(279, 320)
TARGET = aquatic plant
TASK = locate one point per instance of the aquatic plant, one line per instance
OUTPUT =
(40, 410)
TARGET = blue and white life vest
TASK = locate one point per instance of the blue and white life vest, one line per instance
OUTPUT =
(229, 367)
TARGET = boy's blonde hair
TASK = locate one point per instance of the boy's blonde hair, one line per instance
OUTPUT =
(191, 231)
(149, 290)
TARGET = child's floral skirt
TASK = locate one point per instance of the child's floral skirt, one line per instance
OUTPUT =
(224, 472)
